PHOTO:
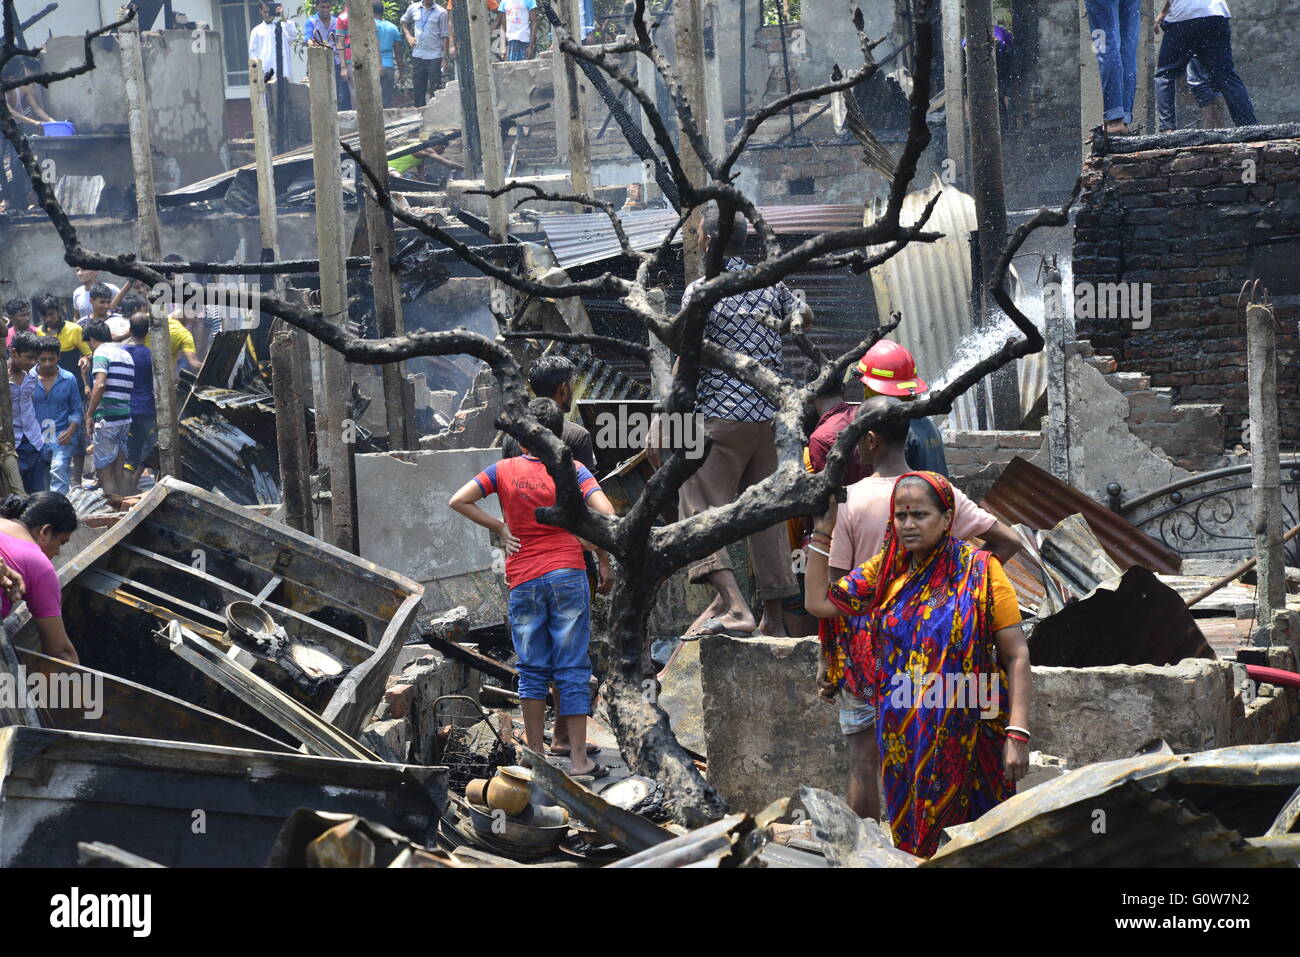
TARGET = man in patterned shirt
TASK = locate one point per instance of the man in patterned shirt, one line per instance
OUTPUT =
(739, 421)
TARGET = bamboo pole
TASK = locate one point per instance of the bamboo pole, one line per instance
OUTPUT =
(164, 363)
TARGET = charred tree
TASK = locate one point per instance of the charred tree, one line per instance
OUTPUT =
(645, 554)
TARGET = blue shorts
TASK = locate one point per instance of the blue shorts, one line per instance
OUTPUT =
(550, 626)
(856, 715)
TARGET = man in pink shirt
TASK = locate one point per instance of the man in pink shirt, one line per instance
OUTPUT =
(859, 535)
(18, 317)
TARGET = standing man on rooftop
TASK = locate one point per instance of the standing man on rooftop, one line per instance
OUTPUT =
(261, 42)
(519, 18)
(738, 418)
(425, 25)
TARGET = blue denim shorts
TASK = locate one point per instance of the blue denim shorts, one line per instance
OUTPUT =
(550, 626)
(856, 715)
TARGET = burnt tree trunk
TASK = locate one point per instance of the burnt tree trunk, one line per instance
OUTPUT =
(641, 726)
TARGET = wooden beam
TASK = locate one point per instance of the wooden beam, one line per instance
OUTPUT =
(291, 421)
(579, 142)
(954, 97)
(688, 24)
(335, 432)
(489, 128)
(379, 224)
(164, 363)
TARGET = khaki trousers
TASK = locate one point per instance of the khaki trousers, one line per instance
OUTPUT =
(743, 454)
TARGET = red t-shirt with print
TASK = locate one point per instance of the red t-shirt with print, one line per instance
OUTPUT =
(523, 485)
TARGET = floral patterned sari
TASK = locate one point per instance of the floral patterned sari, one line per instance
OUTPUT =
(934, 660)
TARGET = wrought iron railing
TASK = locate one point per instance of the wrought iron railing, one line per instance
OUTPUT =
(1210, 514)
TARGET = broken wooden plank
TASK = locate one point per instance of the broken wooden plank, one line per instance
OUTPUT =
(468, 656)
(305, 725)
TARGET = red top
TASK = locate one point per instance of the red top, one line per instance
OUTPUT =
(524, 486)
(823, 439)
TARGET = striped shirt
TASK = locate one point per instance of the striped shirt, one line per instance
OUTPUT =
(119, 368)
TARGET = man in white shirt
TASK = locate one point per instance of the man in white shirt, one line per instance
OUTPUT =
(520, 20)
(261, 42)
(1200, 29)
(426, 27)
(81, 296)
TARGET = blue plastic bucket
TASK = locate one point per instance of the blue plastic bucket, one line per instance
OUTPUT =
(59, 129)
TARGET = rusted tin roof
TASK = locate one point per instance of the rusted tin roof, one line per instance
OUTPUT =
(1165, 810)
(1026, 494)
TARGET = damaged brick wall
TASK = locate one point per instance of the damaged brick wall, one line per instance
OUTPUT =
(1188, 220)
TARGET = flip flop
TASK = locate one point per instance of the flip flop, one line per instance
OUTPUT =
(714, 626)
(597, 772)
(564, 752)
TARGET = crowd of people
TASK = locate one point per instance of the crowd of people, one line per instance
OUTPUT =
(81, 385)
(422, 44)
(903, 583)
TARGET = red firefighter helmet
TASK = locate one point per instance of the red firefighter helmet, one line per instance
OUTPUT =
(889, 369)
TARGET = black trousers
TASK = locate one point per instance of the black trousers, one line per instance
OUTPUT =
(426, 76)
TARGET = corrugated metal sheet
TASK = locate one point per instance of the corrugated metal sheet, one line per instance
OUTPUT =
(930, 285)
(1026, 494)
(1140, 621)
(1160, 810)
(79, 195)
(582, 239)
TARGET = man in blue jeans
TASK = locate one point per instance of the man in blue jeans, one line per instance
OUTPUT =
(550, 601)
(1115, 25)
(56, 401)
(1200, 29)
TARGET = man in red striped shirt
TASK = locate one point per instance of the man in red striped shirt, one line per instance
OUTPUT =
(550, 600)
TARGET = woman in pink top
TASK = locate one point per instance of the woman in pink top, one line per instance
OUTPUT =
(32, 531)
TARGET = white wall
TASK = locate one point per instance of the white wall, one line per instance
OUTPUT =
(77, 17)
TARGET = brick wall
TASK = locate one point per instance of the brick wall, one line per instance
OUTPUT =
(1181, 218)
(976, 459)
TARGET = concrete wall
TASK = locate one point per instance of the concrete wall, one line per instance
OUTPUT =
(766, 729)
(186, 80)
(1084, 715)
(828, 25)
(31, 254)
(405, 525)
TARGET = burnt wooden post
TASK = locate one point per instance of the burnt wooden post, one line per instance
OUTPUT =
(1265, 467)
(290, 405)
(954, 97)
(11, 479)
(990, 188)
(379, 224)
(489, 127)
(579, 143)
(689, 26)
(335, 432)
(164, 366)
(1057, 334)
(468, 96)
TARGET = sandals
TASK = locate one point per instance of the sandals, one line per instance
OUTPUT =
(715, 626)
(565, 752)
(597, 772)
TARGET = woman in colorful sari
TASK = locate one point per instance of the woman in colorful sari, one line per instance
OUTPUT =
(935, 623)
